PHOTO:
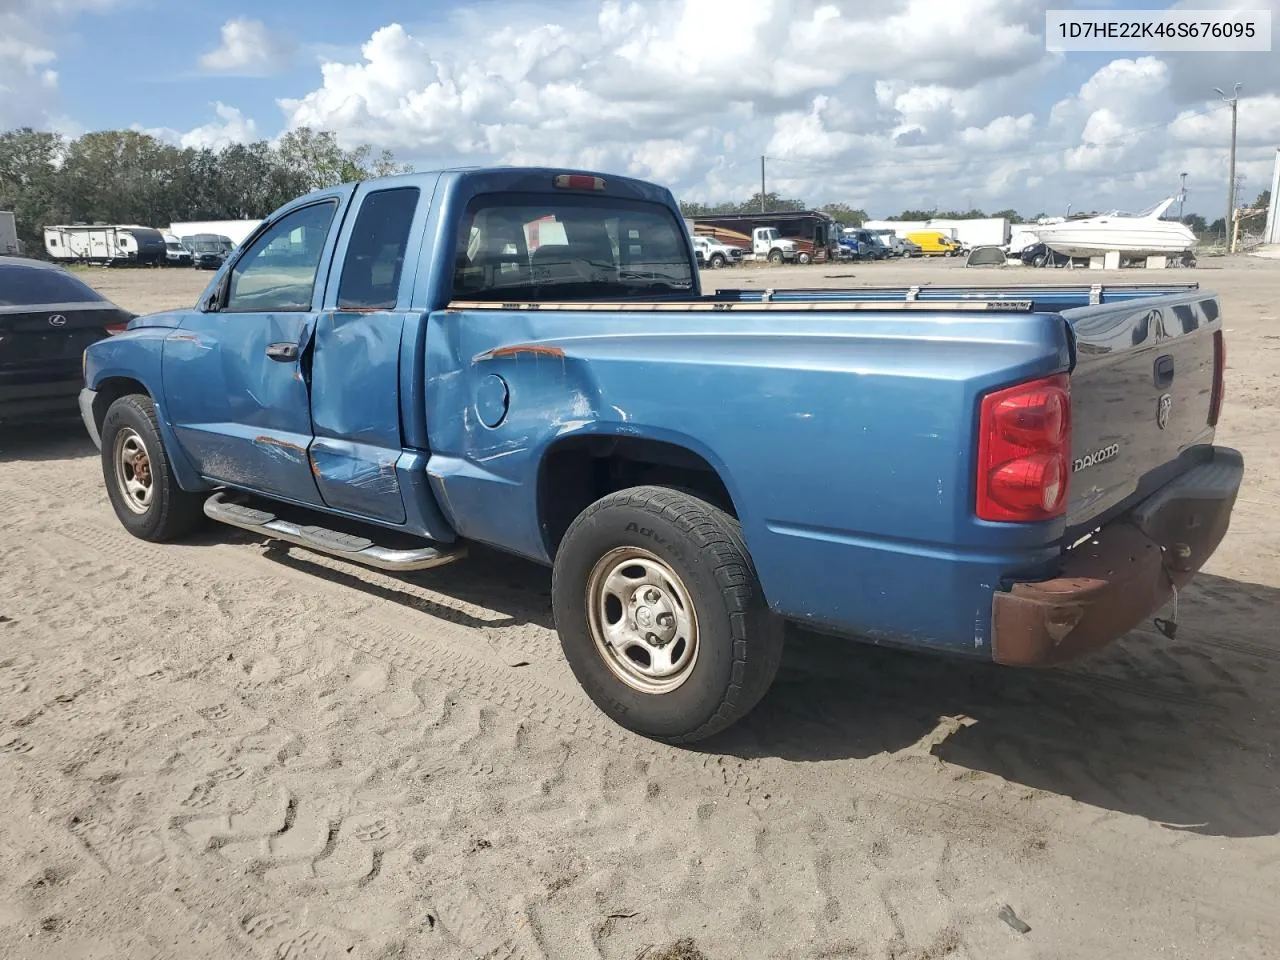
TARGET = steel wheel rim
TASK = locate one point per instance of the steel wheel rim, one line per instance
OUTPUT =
(642, 620)
(134, 478)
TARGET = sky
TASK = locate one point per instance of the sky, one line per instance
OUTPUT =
(884, 105)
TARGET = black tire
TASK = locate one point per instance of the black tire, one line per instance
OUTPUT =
(169, 512)
(803, 258)
(775, 256)
(717, 261)
(738, 640)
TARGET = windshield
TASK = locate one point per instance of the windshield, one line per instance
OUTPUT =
(207, 246)
(21, 285)
(1141, 213)
(546, 247)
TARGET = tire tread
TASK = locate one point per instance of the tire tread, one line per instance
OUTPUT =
(181, 511)
(757, 636)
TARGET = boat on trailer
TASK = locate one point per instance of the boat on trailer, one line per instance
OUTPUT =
(1132, 235)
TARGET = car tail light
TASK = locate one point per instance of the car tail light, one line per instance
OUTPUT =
(1219, 377)
(578, 181)
(114, 328)
(1024, 448)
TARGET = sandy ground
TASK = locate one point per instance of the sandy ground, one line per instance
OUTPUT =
(224, 749)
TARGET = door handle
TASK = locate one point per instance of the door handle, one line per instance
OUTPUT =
(1164, 371)
(284, 352)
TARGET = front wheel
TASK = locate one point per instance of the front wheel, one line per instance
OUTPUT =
(775, 256)
(717, 261)
(139, 478)
(661, 615)
(804, 258)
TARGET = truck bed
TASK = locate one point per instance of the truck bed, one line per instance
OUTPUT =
(876, 391)
(1026, 297)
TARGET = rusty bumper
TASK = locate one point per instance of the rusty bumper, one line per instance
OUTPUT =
(1124, 574)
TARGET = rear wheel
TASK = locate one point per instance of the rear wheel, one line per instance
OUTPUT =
(140, 482)
(661, 615)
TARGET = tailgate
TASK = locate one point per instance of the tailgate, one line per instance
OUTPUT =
(1141, 393)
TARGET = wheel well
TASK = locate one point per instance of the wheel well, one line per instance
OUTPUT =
(111, 390)
(578, 472)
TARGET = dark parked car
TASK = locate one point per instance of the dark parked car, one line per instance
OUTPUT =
(1038, 255)
(209, 251)
(47, 318)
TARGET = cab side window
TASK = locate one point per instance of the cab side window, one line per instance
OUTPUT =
(277, 273)
(375, 253)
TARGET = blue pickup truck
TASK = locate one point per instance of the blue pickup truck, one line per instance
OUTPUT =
(391, 370)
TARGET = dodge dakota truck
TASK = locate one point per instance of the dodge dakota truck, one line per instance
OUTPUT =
(523, 358)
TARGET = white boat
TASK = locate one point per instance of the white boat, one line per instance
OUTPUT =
(1132, 234)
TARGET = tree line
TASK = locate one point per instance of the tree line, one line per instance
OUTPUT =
(124, 176)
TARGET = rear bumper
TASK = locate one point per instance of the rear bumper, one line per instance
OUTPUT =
(21, 401)
(1129, 569)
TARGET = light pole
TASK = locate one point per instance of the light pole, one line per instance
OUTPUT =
(1234, 100)
(1182, 195)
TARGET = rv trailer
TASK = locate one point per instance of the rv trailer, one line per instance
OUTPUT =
(104, 243)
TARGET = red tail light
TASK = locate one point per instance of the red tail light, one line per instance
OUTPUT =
(114, 328)
(578, 181)
(1024, 449)
(1219, 377)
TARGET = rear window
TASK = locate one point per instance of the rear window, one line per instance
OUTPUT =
(24, 286)
(375, 252)
(553, 247)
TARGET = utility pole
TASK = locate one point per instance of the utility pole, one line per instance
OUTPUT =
(762, 210)
(1234, 100)
(1182, 195)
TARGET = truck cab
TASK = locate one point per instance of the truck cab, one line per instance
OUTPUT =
(767, 243)
(714, 254)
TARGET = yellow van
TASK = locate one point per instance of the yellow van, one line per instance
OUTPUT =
(933, 243)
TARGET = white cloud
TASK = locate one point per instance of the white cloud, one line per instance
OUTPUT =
(1001, 133)
(896, 104)
(682, 93)
(28, 75)
(249, 48)
(1258, 123)
(231, 127)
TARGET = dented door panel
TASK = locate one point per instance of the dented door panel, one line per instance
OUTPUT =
(355, 412)
(242, 417)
